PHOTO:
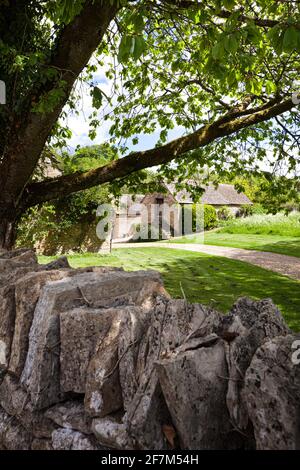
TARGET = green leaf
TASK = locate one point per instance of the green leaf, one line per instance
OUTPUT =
(217, 51)
(126, 48)
(139, 47)
(275, 36)
(229, 4)
(97, 97)
(290, 39)
(231, 44)
(270, 87)
(255, 87)
(253, 33)
(138, 23)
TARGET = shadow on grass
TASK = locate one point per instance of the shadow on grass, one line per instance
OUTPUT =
(219, 282)
(272, 243)
(206, 279)
(288, 248)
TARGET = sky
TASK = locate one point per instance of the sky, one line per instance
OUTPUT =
(79, 124)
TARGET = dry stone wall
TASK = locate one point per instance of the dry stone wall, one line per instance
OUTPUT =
(102, 358)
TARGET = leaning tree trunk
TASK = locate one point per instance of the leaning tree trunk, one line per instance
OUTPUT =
(8, 225)
(28, 132)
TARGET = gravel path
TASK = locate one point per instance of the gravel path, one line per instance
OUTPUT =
(282, 264)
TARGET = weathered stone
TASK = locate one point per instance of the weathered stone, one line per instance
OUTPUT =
(103, 391)
(216, 381)
(70, 415)
(8, 280)
(248, 326)
(4, 254)
(12, 275)
(171, 322)
(67, 439)
(272, 395)
(194, 384)
(41, 372)
(81, 330)
(27, 259)
(27, 292)
(12, 435)
(60, 263)
(147, 411)
(15, 401)
(111, 432)
(41, 444)
(134, 324)
(147, 415)
(7, 315)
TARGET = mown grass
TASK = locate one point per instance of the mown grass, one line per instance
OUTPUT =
(275, 233)
(273, 243)
(205, 279)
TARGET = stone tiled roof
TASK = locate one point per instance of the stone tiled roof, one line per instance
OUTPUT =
(224, 195)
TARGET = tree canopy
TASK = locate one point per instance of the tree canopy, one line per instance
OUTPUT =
(224, 72)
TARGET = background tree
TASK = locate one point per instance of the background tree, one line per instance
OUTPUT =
(223, 71)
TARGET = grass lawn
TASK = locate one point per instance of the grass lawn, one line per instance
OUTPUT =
(205, 279)
(275, 243)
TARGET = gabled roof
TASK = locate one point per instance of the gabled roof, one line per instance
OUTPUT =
(224, 195)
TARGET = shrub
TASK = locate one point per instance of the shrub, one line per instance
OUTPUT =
(151, 233)
(210, 217)
(258, 209)
(246, 210)
(224, 213)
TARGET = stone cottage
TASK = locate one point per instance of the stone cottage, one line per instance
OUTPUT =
(128, 213)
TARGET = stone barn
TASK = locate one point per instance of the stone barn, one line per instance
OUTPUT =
(128, 213)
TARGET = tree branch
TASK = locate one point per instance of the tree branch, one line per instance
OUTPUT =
(51, 189)
(264, 22)
(76, 43)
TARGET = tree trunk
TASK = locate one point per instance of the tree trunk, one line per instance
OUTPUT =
(7, 233)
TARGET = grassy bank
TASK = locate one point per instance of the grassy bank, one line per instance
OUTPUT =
(275, 233)
(206, 279)
(266, 224)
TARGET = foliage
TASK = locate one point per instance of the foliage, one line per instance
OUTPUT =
(269, 193)
(175, 64)
(224, 213)
(210, 280)
(36, 224)
(279, 224)
(246, 210)
(209, 214)
(80, 207)
(184, 64)
(210, 217)
(196, 67)
(258, 209)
